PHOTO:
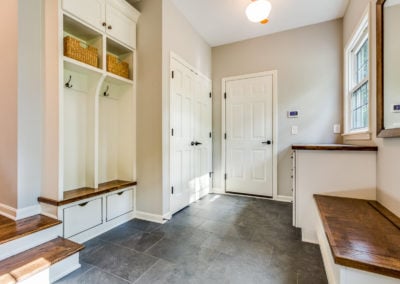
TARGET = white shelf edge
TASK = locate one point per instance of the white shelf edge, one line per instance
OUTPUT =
(118, 79)
(82, 66)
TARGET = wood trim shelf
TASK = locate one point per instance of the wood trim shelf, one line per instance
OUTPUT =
(333, 147)
(360, 236)
(87, 192)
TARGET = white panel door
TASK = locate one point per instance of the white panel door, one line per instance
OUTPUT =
(182, 179)
(202, 120)
(89, 11)
(249, 152)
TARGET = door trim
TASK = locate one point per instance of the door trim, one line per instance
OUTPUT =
(274, 74)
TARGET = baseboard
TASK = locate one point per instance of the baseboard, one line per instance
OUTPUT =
(284, 198)
(18, 214)
(218, 190)
(151, 217)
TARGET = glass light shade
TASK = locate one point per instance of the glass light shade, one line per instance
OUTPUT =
(258, 10)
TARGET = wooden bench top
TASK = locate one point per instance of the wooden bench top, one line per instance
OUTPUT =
(26, 264)
(333, 147)
(11, 230)
(88, 192)
(362, 234)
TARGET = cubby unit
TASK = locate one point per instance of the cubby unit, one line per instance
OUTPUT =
(116, 132)
(97, 121)
(123, 55)
(87, 37)
(78, 124)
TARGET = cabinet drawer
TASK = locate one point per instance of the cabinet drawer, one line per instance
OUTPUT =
(119, 204)
(82, 217)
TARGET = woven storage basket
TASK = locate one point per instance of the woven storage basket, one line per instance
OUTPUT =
(78, 50)
(116, 66)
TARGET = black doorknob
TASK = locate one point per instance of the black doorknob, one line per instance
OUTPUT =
(197, 143)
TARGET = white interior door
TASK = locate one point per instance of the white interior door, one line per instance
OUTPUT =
(182, 179)
(202, 138)
(191, 143)
(249, 132)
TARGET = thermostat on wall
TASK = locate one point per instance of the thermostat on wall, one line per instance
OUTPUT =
(293, 114)
(396, 108)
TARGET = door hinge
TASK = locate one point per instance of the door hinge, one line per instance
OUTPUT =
(225, 136)
(172, 74)
(210, 94)
(226, 176)
(172, 190)
(210, 173)
(225, 95)
(172, 132)
(210, 135)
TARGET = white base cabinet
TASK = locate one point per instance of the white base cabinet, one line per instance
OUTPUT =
(339, 173)
(87, 218)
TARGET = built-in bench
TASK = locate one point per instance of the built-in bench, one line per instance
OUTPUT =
(35, 263)
(359, 239)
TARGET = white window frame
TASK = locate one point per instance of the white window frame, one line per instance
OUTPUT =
(358, 37)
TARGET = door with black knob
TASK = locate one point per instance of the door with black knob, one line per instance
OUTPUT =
(190, 119)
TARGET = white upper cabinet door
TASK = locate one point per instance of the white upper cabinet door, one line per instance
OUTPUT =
(93, 12)
(120, 23)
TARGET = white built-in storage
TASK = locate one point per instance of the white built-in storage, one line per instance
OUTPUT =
(97, 113)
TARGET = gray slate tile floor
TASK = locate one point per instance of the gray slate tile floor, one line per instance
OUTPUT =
(219, 239)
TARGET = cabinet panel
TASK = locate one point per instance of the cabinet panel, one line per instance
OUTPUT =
(89, 11)
(119, 204)
(82, 217)
(120, 27)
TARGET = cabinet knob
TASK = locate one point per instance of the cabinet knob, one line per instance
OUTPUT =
(109, 27)
(104, 24)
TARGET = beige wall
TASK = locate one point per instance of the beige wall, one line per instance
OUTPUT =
(162, 29)
(308, 61)
(149, 107)
(8, 105)
(388, 190)
(180, 38)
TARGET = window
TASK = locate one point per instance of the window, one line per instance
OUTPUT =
(357, 81)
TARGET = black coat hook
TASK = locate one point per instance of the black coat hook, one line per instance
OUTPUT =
(106, 93)
(68, 84)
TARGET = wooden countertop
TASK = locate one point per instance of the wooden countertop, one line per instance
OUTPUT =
(87, 192)
(333, 147)
(362, 234)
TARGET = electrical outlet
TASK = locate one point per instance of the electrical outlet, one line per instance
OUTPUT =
(336, 128)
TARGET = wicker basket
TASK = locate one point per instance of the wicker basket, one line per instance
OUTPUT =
(80, 51)
(116, 66)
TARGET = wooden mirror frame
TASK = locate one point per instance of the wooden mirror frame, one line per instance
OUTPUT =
(380, 126)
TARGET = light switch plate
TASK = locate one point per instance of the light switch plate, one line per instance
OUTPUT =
(336, 128)
(295, 130)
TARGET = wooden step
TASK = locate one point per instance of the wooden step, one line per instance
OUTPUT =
(11, 230)
(32, 261)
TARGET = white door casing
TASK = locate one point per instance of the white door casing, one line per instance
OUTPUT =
(249, 150)
(191, 144)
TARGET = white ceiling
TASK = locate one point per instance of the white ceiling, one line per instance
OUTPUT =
(224, 21)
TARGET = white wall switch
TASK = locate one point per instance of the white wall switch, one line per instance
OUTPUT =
(336, 128)
(295, 130)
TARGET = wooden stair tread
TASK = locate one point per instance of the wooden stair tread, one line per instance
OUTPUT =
(88, 192)
(11, 230)
(360, 236)
(25, 264)
(333, 147)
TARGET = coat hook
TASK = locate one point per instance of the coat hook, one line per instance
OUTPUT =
(106, 93)
(68, 84)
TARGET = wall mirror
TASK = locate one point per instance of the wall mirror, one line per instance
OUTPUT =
(388, 68)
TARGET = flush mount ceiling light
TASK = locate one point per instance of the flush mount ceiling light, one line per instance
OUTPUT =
(258, 11)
